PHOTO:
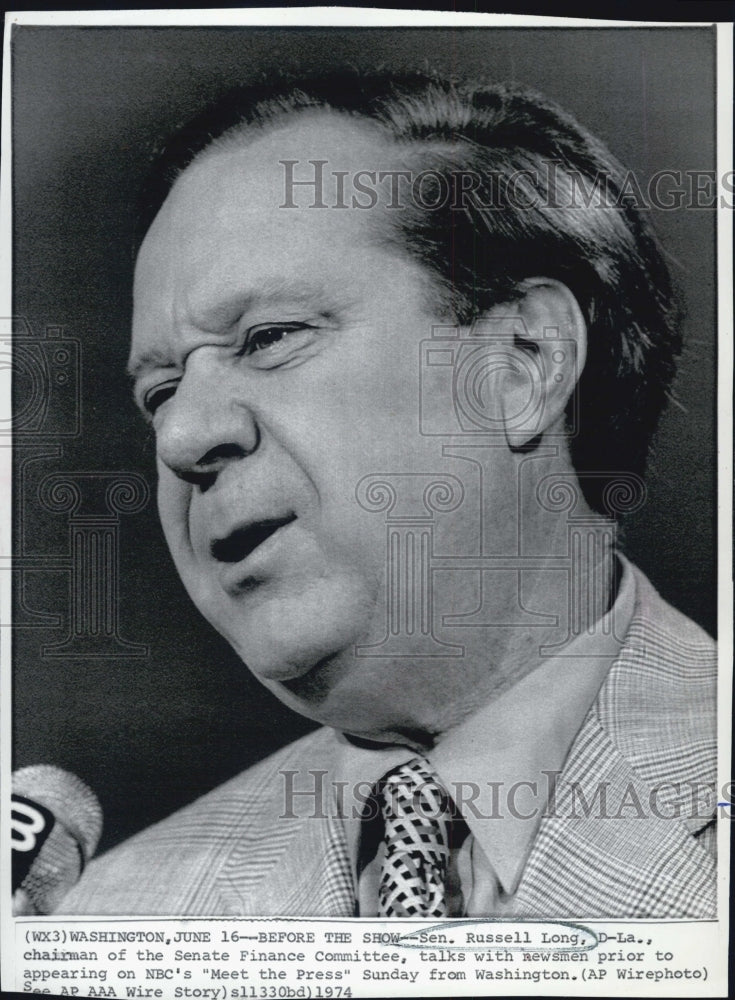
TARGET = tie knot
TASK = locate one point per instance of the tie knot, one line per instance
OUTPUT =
(414, 790)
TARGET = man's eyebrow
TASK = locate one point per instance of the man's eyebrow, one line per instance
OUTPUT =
(151, 359)
(294, 291)
(221, 315)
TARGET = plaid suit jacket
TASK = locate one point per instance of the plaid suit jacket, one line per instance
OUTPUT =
(648, 741)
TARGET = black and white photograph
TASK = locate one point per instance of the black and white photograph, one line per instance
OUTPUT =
(364, 573)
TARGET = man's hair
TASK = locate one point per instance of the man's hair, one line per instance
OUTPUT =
(548, 200)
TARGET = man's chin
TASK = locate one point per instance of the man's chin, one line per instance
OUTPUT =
(337, 692)
(279, 667)
(294, 662)
(285, 632)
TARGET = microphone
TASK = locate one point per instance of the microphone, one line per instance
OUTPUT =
(56, 822)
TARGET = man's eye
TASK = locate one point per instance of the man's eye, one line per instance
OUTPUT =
(260, 338)
(156, 397)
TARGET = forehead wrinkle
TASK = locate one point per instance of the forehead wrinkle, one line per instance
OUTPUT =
(218, 311)
(217, 317)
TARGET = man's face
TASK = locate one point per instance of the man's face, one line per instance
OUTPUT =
(278, 357)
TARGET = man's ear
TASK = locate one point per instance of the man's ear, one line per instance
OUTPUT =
(546, 355)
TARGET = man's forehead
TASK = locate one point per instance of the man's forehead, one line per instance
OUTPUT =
(223, 238)
(257, 156)
(248, 179)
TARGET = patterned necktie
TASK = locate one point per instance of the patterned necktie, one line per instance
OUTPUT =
(417, 814)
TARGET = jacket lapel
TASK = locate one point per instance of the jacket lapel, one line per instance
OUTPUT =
(603, 852)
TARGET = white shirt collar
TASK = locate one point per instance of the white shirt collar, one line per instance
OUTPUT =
(501, 761)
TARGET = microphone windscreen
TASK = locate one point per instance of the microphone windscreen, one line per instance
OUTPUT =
(57, 822)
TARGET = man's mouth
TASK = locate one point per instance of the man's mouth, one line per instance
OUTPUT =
(242, 541)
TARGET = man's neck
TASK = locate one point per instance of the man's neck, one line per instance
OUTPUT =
(562, 605)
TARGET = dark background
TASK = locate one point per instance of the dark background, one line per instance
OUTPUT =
(151, 733)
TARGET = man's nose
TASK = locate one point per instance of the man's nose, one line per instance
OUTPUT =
(207, 424)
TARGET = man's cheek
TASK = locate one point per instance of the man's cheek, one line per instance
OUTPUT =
(174, 503)
(354, 538)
